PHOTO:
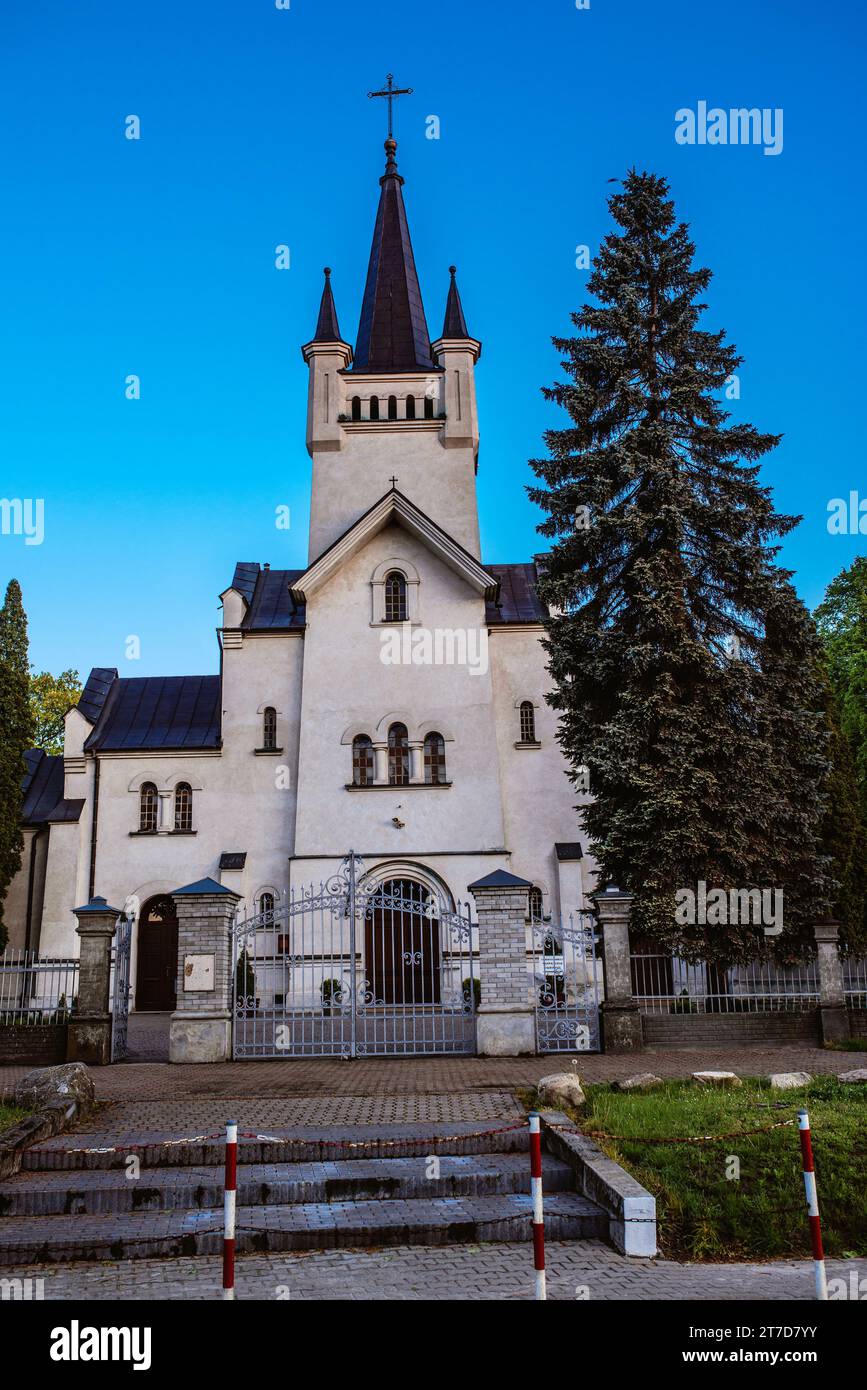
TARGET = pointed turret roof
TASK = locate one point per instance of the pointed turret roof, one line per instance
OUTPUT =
(455, 325)
(392, 333)
(327, 330)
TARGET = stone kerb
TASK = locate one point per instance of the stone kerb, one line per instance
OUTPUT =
(201, 1025)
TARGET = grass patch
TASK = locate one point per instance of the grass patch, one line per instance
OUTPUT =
(850, 1045)
(705, 1215)
(9, 1116)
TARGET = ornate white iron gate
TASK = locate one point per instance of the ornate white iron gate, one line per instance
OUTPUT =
(120, 987)
(356, 967)
(565, 984)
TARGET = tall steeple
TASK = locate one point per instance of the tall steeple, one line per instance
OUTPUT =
(455, 325)
(392, 332)
(327, 330)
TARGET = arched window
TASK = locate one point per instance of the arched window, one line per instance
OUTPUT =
(148, 807)
(535, 904)
(374, 407)
(269, 728)
(398, 755)
(395, 597)
(428, 407)
(183, 806)
(362, 761)
(410, 407)
(266, 909)
(434, 759)
(528, 722)
(392, 407)
(356, 407)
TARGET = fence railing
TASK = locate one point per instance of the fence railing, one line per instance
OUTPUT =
(668, 985)
(36, 989)
(855, 982)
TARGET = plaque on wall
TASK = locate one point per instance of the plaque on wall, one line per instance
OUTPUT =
(199, 972)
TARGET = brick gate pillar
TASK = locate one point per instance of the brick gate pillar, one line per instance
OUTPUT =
(201, 1025)
(89, 1036)
(506, 1024)
(833, 1014)
(621, 1020)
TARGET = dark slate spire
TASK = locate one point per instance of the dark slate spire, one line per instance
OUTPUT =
(455, 325)
(327, 330)
(392, 333)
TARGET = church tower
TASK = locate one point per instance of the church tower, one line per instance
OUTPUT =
(400, 407)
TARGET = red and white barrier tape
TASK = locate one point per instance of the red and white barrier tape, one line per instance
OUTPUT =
(229, 1209)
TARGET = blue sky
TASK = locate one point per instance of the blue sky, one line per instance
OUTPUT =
(156, 257)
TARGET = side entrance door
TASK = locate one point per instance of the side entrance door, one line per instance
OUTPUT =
(157, 967)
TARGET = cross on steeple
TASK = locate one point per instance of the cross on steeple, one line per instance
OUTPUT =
(390, 92)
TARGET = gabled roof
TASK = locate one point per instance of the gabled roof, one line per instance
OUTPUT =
(394, 506)
(392, 332)
(95, 692)
(42, 785)
(518, 599)
(167, 712)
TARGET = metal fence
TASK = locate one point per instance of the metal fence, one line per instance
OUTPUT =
(566, 981)
(36, 989)
(855, 982)
(668, 985)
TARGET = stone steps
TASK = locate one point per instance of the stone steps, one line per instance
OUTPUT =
(300, 1226)
(106, 1191)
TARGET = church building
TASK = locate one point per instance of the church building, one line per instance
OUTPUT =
(388, 698)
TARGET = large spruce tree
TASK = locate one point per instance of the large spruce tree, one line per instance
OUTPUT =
(675, 636)
(16, 729)
(842, 620)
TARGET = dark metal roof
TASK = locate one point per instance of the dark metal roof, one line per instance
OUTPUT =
(42, 785)
(160, 712)
(271, 605)
(518, 600)
(229, 859)
(500, 878)
(327, 329)
(568, 849)
(204, 885)
(95, 692)
(392, 332)
(455, 325)
(67, 809)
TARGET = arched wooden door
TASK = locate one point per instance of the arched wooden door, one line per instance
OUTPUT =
(157, 966)
(402, 946)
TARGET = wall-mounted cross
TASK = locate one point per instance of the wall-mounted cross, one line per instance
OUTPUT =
(392, 481)
(390, 92)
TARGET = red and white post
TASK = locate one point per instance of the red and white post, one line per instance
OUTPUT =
(538, 1213)
(812, 1205)
(229, 1209)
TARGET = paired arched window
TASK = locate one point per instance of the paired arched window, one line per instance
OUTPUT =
(269, 728)
(266, 909)
(535, 904)
(434, 759)
(528, 722)
(398, 755)
(395, 597)
(148, 807)
(356, 407)
(183, 806)
(410, 407)
(392, 407)
(374, 407)
(362, 761)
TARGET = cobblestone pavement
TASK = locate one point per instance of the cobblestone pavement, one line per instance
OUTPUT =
(576, 1269)
(427, 1075)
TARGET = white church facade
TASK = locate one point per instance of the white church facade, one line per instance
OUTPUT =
(389, 698)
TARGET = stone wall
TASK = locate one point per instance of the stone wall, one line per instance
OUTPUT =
(730, 1030)
(40, 1045)
(858, 1023)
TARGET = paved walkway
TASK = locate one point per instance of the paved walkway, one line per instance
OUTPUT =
(583, 1269)
(426, 1076)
